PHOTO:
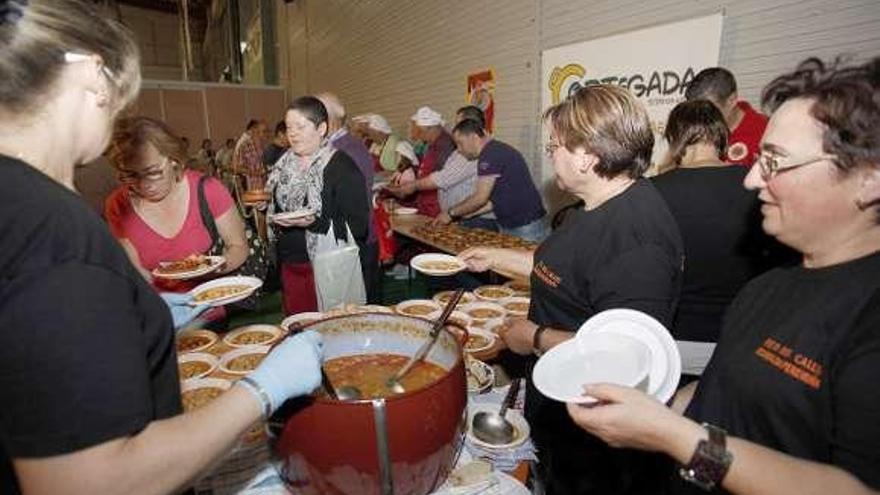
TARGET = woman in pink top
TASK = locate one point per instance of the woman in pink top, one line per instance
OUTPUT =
(155, 211)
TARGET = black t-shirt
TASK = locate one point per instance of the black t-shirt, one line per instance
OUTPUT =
(724, 245)
(87, 346)
(343, 200)
(797, 365)
(625, 254)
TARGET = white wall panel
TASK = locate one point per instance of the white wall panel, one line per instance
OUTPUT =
(391, 56)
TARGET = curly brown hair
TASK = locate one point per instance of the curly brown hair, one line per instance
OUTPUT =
(846, 100)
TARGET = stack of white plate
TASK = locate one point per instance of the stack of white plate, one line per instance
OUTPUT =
(561, 372)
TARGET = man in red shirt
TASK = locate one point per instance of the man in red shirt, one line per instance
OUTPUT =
(746, 125)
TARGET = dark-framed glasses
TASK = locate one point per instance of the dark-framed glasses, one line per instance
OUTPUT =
(154, 175)
(771, 164)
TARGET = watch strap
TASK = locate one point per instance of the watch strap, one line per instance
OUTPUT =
(710, 461)
(536, 340)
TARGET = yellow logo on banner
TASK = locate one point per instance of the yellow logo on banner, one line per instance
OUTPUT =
(558, 77)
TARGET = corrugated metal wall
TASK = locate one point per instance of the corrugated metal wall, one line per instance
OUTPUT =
(390, 56)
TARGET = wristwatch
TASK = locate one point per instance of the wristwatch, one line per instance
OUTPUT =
(536, 340)
(710, 461)
(452, 217)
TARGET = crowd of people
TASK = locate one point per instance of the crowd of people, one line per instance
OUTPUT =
(759, 242)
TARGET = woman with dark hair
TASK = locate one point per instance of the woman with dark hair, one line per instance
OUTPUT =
(719, 221)
(313, 176)
(89, 383)
(620, 249)
(793, 379)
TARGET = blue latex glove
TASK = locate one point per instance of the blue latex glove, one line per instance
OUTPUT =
(293, 368)
(181, 311)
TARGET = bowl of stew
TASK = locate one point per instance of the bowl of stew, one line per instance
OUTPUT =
(340, 446)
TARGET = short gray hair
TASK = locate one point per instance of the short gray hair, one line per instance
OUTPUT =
(334, 106)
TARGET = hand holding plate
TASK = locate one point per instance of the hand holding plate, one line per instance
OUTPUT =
(182, 310)
(478, 259)
(301, 222)
(626, 417)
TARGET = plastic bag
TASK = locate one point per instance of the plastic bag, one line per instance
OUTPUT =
(337, 269)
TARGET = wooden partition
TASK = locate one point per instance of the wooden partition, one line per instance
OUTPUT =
(206, 110)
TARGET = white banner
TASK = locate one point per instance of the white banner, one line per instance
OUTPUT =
(655, 63)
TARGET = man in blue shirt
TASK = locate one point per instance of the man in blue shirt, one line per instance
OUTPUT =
(503, 179)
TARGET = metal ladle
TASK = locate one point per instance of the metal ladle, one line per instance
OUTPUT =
(393, 383)
(494, 428)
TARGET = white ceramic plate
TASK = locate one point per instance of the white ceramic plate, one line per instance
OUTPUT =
(405, 210)
(503, 484)
(521, 287)
(301, 319)
(251, 284)
(210, 338)
(214, 262)
(481, 376)
(514, 416)
(514, 300)
(442, 298)
(201, 357)
(472, 310)
(459, 317)
(422, 262)
(197, 383)
(293, 215)
(243, 351)
(406, 307)
(666, 360)
(493, 293)
(270, 334)
(555, 374)
(489, 336)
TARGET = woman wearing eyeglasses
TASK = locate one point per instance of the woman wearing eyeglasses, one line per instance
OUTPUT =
(89, 388)
(622, 248)
(155, 211)
(793, 378)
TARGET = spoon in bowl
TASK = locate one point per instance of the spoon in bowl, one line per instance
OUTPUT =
(393, 383)
(494, 428)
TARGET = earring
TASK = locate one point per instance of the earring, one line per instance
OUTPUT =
(102, 99)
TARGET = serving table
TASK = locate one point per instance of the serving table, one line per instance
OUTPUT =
(408, 225)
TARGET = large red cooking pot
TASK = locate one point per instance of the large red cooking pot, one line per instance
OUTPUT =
(402, 444)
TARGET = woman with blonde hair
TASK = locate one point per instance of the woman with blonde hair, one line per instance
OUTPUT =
(621, 249)
(88, 367)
